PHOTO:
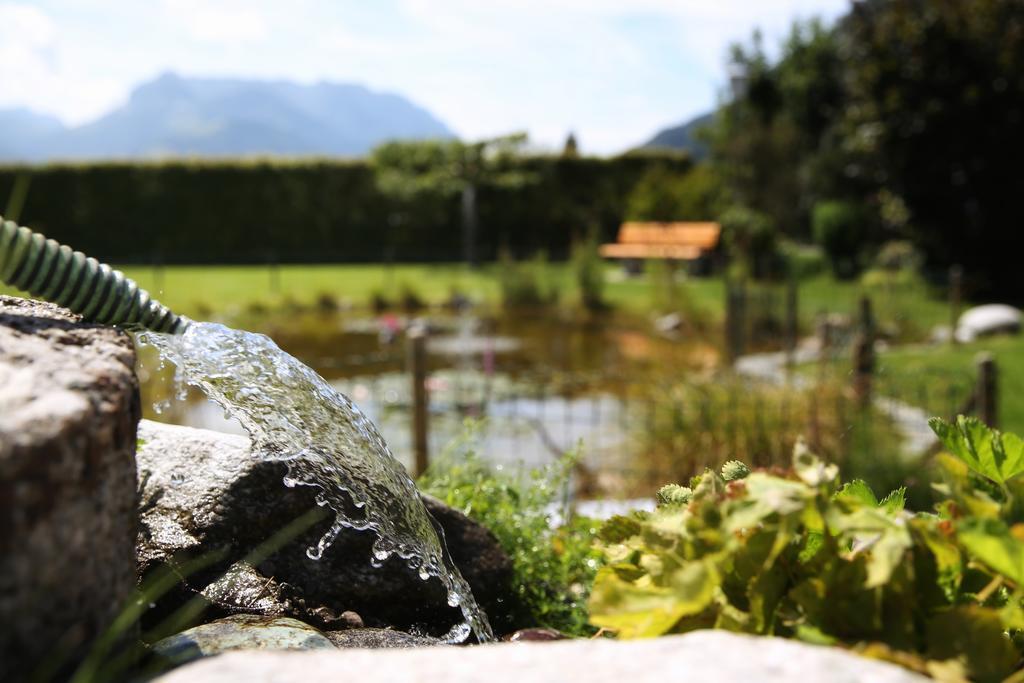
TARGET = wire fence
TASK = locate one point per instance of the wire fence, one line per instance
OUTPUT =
(634, 431)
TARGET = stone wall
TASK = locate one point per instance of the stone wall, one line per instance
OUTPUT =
(69, 407)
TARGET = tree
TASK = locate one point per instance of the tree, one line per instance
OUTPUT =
(571, 148)
(938, 87)
(446, 168)
(662, 194)
(839, 229)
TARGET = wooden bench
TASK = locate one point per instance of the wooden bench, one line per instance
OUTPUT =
(677, 241)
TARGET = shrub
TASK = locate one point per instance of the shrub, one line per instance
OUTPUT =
(688, 425)
(327, 303)
(798, 554)
(839, 227)
(410, 299)
(803, 261)
(663, 194)
(588, 270)
(750, 236)
(553, 568)
(525, 284)
(379, 301)
(315, 211)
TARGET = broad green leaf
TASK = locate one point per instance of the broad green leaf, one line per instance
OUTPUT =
(642, 610)
(948, 560)
(992, 543)
(813, 635)
(1012, 613)
(885, 540)
(975, 636)
(767, 496)
(988, 452)
(619, 528)
(895, 502)
(858, 492)
(1013, 455)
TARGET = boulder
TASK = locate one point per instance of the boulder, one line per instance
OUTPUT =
(225, 522)
(69, 405)
(989, 319)
(256, 632)
(701, 657)
(240, 632)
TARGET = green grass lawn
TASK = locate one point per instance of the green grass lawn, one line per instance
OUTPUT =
(946, 362)
(941, 377)
(221, 291)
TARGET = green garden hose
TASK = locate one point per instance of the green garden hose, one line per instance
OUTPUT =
(44, 268)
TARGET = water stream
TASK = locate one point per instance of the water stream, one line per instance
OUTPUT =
(293, 415)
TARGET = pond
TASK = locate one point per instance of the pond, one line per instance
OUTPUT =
(535, 385)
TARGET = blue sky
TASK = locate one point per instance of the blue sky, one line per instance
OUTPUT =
(613, 72)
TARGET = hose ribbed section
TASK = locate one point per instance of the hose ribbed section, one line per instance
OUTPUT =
(49, 270)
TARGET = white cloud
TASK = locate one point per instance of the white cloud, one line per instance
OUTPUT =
(611, 70)
(224, 23)
(35, 73)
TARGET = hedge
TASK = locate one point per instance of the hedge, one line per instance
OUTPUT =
(312, 210)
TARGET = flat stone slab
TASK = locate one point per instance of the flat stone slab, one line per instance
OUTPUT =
(69, 406)
(699, 657)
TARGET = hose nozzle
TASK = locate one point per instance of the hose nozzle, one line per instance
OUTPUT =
(52, 271)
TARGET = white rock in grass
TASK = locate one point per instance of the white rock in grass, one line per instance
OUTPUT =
(988, 319)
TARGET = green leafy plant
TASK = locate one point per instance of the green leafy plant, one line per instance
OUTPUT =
(525, 284)
(553, 567)
(588, 270)
(797, 553)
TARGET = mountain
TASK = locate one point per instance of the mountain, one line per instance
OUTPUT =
(23, 130)
(177, 116)
(682, 137)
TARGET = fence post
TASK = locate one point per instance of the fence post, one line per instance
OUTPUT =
(864, 354)
(274, 276)
(417, 335)
(956, 284)
(730, 316)
(735, 296)
(792, 321)
(987, 390)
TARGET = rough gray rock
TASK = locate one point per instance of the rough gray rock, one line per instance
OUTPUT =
(205, 500)
(240, 632)
(700, 657)
(379, 638)
(68, 410)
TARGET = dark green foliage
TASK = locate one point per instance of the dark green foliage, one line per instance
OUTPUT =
(798, 554)
(554, 568)
(839, 229)
(802, 261)
(525, 284)
(319, 210)
(905, 108)
(588, 270)
(665, 195)
(750, 237)
(939, 100)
